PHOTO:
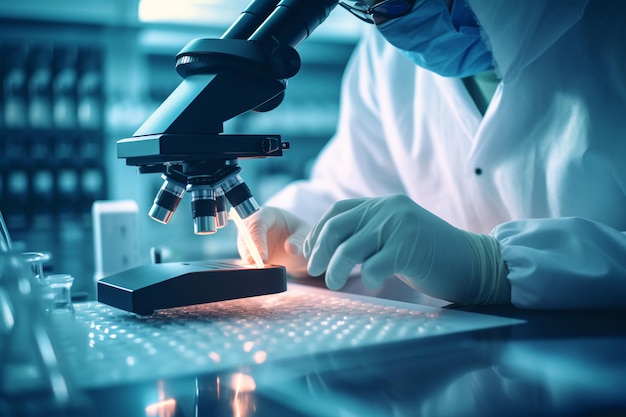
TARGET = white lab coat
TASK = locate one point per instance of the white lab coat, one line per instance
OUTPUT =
(551, 147)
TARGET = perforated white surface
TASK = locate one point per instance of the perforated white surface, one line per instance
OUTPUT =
(107, 346)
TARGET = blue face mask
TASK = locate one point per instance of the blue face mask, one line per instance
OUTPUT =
(442, 41)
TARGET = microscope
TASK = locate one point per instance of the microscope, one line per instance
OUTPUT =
(244, 70)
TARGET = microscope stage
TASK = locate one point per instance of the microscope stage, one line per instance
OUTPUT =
(150, 287)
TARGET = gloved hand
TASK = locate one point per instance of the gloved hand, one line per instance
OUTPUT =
(393, 235)
(278, 235)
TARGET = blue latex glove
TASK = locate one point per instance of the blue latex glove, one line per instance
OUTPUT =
(393, 235)
(279, 236)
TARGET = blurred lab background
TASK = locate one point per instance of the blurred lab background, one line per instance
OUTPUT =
(78, 75)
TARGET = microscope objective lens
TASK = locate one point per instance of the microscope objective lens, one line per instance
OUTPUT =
(221, 208)
(203, 209)
(240, 196)
(167, 200)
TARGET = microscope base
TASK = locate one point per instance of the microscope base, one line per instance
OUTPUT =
(150, 287)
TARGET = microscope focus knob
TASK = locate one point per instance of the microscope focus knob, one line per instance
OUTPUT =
(284, 61)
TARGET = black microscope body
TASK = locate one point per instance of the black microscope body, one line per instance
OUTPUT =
(245, 69)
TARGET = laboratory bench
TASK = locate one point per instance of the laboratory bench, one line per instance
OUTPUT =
(315, 352)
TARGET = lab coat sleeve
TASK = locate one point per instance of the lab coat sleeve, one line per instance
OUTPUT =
(356, 161)
(564, 263)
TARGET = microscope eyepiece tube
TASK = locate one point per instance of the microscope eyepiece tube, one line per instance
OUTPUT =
(240, 196)
(167, 200)
(250, 19)
(293, 21)
(203, 209)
